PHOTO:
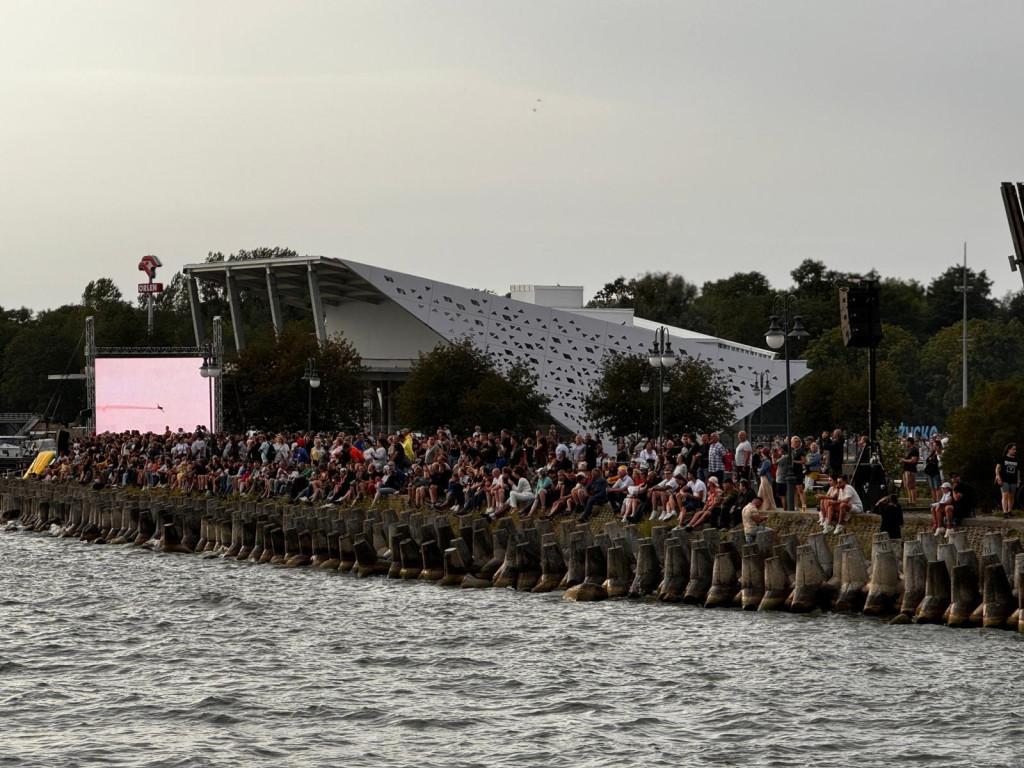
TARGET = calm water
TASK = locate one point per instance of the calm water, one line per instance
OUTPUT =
(121, 657)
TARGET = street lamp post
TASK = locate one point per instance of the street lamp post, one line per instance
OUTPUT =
(662, 357)
(777, 338)
(312, 377)
(210, 370)
(762, 386)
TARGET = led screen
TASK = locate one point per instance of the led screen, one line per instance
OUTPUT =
(150, 394)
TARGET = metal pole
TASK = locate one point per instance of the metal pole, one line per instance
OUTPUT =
(309, 411)
(966, 289)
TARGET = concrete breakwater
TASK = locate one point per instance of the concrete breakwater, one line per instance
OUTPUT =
(928, 579)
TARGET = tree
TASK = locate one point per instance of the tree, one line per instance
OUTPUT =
(458, 384)
(995, 352)
(817, 288)
(979, 433)
(945, 303)
(658, 296)
(698, 398)
(904, 304)
(735, 308)
(266, 387)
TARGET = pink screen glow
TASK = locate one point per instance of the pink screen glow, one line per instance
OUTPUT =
(150, 393)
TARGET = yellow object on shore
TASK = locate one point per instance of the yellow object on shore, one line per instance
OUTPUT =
(40, 463)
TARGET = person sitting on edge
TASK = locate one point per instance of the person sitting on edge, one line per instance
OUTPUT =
(561, 493)
(620, 489)
(662, 496)
(520, 498)
(942, 510)
(826, 501)
(635, 506)
(711, 498)
(691, 498)
(540, 492)
(596, 492)
(847, 504)
(965, 498)
(752, 519)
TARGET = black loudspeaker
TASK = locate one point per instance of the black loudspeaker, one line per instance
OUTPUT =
(63, 441)
(860, 316)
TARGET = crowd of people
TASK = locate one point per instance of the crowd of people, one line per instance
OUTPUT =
(694, 480)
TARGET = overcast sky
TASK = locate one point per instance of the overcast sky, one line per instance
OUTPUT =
(490, 143)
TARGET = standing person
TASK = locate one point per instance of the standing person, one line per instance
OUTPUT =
(1008, 476)
(932, 470)
(834, 446)
(909, 461)
(716, 457)
(742, 456)
(764, 474)
(798, 456)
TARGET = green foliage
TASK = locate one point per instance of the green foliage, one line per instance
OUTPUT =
(458, 384)
(736, 308)
(980, 432)
(945, 304)
(265, 383)
(835, 392)
(890, 447)
(658, 296)
(698, 398)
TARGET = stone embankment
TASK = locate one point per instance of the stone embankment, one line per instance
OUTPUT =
(972, 577)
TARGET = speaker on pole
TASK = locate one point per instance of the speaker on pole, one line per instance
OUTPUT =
(860, 316)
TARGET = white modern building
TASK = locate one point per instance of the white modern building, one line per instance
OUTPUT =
(391, 317)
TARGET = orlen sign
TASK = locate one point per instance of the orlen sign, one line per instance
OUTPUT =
(148, 264)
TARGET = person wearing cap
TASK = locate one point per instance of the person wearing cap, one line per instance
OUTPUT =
(942, 510)
(620, 489)
(711, 498)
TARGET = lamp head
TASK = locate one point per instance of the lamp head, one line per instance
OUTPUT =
(798, 332)
(774, 337)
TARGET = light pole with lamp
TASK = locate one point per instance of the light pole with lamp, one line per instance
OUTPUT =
(762, 386)
(210, 370)
(312, 377)
(777, 338)
(661, 357)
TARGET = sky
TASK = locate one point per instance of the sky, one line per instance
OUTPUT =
(492, 143)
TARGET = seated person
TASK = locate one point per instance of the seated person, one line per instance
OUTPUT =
(661, 496)
(596, 493)
(753, 519)
(521, 498)
(711, 498)
(541, 489)
(847, 505)
(620, 489)
(636, 503)
(691, 498)
(965, 498)
(942, 510)
(825, 502)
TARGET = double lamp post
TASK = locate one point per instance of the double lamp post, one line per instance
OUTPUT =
(662, 358)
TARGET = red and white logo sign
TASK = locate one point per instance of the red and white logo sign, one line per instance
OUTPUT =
(151, 287)
(148, 265)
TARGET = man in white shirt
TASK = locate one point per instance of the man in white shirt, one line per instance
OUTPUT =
(741, 458)
(847, 504)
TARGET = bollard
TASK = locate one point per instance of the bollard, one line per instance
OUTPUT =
(884, 589)
(751, 578)
(527, 565)
(724, 584)
(808, 583)
(964, 597)
(367, 562)
(433, 561)
(776, 585)
(676, 575)
(822, 553)
(648, 573)
(552, 568)
(1011, 548)
(997, 602)
(853, 590)
(592, 588)
(454, 568)
(577, 561)
(410, 558)
(701, 566)
(620, 576)
(507, 575)
(915, 573)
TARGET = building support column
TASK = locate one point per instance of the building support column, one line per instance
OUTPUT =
(235, 303)
(197, 309)
(275, 303)
(317, 306)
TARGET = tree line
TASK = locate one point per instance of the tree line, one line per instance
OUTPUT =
(919, 360)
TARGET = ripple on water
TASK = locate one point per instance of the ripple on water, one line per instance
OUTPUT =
(113, 656)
